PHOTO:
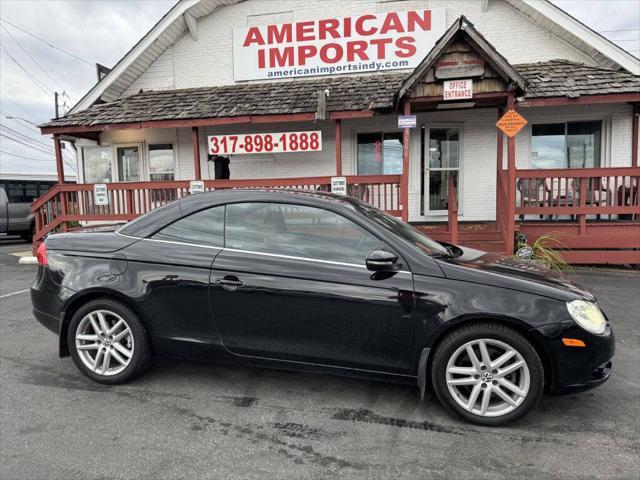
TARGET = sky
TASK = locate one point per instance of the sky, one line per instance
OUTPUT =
(80, 33)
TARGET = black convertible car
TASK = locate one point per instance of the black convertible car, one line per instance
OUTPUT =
(313, 281)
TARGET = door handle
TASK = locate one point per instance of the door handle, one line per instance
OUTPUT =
(229, 282)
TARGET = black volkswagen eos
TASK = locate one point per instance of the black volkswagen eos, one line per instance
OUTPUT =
(316, 282)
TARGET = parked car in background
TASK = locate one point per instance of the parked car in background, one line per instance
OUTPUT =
(16, 217)
(319, 282)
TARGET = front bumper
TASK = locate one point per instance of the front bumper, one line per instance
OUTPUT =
(577, 368)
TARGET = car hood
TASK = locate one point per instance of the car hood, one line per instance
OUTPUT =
(507, 272)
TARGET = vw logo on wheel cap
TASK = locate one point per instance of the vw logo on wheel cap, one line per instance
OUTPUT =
(486, 376)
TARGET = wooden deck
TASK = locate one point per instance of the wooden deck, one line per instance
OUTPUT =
(595, 213)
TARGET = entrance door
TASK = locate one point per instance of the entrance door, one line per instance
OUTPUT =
(442, 160)
(128, 159)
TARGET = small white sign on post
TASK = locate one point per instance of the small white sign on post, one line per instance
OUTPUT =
(100, 195)
(196, 186)
(339, 185)
(458, 89)
(407, 121)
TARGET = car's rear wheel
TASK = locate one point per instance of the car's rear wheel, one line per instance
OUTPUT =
(487, 373)
(108, 342)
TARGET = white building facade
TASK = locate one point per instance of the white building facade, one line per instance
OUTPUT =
(573, 120)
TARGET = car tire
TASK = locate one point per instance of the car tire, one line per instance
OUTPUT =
(108, 342)
(513, 382)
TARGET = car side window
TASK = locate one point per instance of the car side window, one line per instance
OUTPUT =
(297, 230)
(205, 227)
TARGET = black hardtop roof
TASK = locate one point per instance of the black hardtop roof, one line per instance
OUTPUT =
(156, 219)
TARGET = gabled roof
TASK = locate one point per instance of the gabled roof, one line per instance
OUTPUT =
(464, 28)
(603, 51)
(176, 23)
(173, 25)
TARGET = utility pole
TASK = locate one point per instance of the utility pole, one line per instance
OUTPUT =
(56, 97)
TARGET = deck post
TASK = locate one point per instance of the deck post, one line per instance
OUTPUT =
(404, 187)
(500, 164)
(338, 147)
(64, 207)
(59, 164)
(634, 135)
(511, 186)
(196, 152)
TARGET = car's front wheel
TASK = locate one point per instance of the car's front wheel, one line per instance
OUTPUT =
(108, 342)
(487, 373)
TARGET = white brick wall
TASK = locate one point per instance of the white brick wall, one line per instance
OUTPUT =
(208, 61)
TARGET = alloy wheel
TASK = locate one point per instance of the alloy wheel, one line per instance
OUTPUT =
(488, 377)
(104, 342)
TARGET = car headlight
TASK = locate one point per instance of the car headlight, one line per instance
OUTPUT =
(588, 315)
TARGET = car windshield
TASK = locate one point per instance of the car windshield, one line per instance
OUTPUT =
(403, 230)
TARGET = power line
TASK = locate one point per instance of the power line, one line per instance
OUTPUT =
(28, 158)
(33, 79)
(30, 146)
(25, 144)
(32, 58)
(48, 43)
(620, 30)
(20, 107)
(15, 132)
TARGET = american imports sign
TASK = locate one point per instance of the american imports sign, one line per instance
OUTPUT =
(331, 46)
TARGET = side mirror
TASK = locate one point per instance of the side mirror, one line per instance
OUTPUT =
(382, 261)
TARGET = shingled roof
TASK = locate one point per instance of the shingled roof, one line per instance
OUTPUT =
(348, 93)
(558, 78)
(561, 78)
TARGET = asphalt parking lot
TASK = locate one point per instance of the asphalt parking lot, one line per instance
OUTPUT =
(191, 420)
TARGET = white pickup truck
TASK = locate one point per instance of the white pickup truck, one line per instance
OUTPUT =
(16, 218)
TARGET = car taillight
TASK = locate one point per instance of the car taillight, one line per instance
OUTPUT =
(41, 255)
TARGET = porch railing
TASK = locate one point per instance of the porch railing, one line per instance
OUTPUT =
(75, 202)
(578, 193)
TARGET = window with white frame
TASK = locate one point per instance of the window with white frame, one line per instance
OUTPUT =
(566, 144)
(97, 164)
(161, 162)
(379, 153)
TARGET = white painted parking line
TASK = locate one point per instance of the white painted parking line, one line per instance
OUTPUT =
(14, 293)
(28, 261)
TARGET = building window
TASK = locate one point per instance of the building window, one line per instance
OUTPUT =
(566, 145)
(97, 164)
(380, 153)
(161, 163)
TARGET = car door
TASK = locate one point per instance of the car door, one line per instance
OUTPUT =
(291, 284)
